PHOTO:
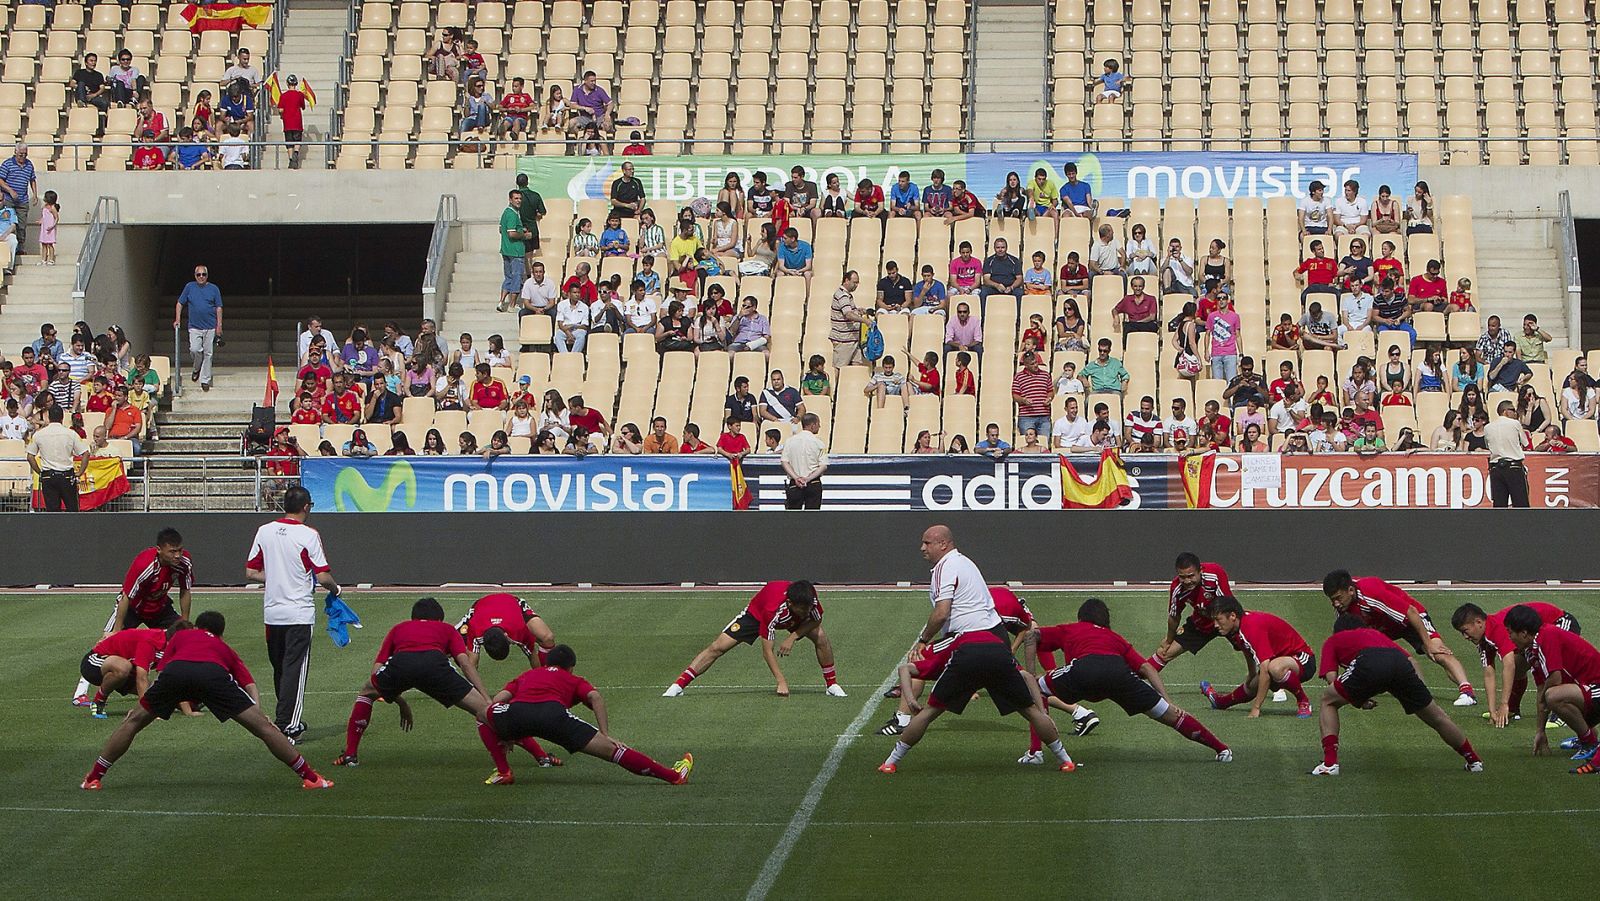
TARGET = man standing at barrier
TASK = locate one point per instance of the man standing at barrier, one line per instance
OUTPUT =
(1508, 475)
(58, 456)
(287, 556)
(204, 301)
(804, 461)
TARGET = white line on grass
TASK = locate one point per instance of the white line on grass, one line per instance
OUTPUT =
(808, 804)
(698, 689)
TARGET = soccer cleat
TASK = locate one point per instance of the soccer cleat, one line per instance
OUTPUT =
(1570, 744)
(893, 692)
(888, 769)
(1475, 766)
(1068, 767)
(836, 691)
(82, 701)
(92, 785)
(316, 783)
(1584, 752)
(1032, 758)
(346, 760)
(1589, 768)
(1304, 710)
(892, 727)
(683, 767)
(1466, 700)
(1086, 725)
(98, 711)
(1555, 722)
(1210, 693)
(294, 731)
(1280, 696)
(499, 778)
(549, 760)
(1225, 755)
(672, 691)
(1323, 769)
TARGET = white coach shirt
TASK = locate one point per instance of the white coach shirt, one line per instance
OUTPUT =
(957, 579)
(290, 553)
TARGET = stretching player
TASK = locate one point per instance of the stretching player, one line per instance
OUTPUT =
(539, 704)
(121, 663)
(778, 605)
(145, 598)
(1398, 615)
(963, 611)
(417, 654)
(495, 622)
(1197, 585)
(1373, 664)
(1274, 652)
(1566, 669)
(1488, 633)
(1101, 665)
(198, 665)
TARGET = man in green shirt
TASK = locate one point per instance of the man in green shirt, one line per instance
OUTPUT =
(1530, 344)
(532, 211)
(512, 250)
(1105, 373)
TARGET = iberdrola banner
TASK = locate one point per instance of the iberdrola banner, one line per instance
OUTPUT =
(226, 16)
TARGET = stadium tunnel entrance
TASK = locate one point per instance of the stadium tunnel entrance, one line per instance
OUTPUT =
(1589, 276)
(271, 276)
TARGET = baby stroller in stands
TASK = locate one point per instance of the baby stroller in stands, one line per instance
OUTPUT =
(257, 438)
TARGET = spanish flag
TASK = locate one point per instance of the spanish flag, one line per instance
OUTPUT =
(275, 90)
(226, 16)
(271, 399)
(1197, 474)
(1108, 489)
(103, 481)
(742, 496)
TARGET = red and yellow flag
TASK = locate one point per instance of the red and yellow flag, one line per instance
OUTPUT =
(275, 89)
(742, 496)
(226, 16)
(1109, 488)
(1197, 474)
(103, 481)
(271, 399)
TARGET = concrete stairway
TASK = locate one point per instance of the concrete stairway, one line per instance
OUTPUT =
(39, 294)
(474, 290)
(313, 43)
(1519, 272)
(1011, 64)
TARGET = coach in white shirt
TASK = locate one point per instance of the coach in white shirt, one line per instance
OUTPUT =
(287, 556)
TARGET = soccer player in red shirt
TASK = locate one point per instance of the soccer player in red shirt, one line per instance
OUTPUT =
(778, 605)
(1101, 665)
(1487, 632)
(417, 654)
(538, 703)
(495, 622)
(1361, 663)
(122, 661)
(1274, 652)
(145, 598)
(1398, 615)
(1198, 585)
(1566, 669)
(197, 665)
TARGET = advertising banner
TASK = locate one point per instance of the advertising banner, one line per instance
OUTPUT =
(1449, 481)
(517, 484)
(1225, 174)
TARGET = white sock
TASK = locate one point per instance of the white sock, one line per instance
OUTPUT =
(1060, 751)
(1082, 713)
(900, 749)
(903, 719)
(83, 688)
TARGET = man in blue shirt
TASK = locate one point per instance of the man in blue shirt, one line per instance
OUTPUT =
(991, 446)
(18, 185)
(794, 255)
(936, 196)
(1076, 198)
(191, 154)
(903, 198)
(47, 344)
(927, 296)
(204, 302)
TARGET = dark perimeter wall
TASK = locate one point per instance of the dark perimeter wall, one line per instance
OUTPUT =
(839, 547)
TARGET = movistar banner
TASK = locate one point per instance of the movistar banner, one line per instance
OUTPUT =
(517, 484)
(1228, 175)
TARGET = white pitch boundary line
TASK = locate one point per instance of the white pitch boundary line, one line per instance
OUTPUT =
(698, 688)
(808, 804)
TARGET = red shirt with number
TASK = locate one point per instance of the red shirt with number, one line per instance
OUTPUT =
(148, 581)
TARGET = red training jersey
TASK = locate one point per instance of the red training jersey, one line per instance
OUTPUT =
(771, 610)
(1383, 606)
(1076, 640)
(490, 396)
(200, 646)
(1264, 636)
(415, 635)
(148, 581)
(1555, 650)
(142, 646)
(1319, 270)
(1496, 641)
(549, 683)
(1213, 585)
(505, 611)
(1014, 612)
(1342, 647)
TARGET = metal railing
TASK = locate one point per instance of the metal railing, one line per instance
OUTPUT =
(148, 485)
(107, 211)
(177, 360)
(444, 220)
(1571, 276)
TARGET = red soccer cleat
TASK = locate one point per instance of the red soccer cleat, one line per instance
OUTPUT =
(316, 782)
(1068, 767)
(499, 778)
(549, 760)
(1304, 710)
(888, 769)
(92, 785)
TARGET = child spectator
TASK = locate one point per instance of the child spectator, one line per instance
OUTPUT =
(472, 64)
(147, 155)
(49, 216)
(815, 381)
(1035, 331)
(1112, 81)
(965, 383)
(1036, 280)
(1460, 298)
(1286, 335)
(927, 380)
(1069, 383)
(191, 152)
(613, 241)
(202, 118)
(1074, 276)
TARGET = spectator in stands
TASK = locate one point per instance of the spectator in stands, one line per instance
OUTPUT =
(532, 211)
(419, 378)
(795, 257)
(1142, 429)
(652, 243)
(761, 258)
(963, 203)
(780, 403)
(1554, 442)
(1012, 201)
(516, 108)
(1248, 385)
(593, 104)
(1386, 213)
(203, 117)
(691, 443)
(1038, 280)
(1395, 372)
(1105, 373)
(1138, 311)
(1074, 280)
(572, 321)
(992, 446)
(725, 232)
(627, 440)
(815, 381)
(1222, 341)
(233, 152)
(731, 443)
(673, 329)
(1032, 390)
(614, 241)
(937, 195)
(477, 109)
(472, 63)
(433, 444)
(1316, 273)
(659, 441)
(1387, 265)
(343, 403)
(1316, 213)
(1139, 253)
(1461, 298)
(636, 145)
(732, 194)
(965, 270)
(360, 358)
(868, 201)
(1070, 433)
(1428, 293)
(238, 108)
(904, 198)
(1289, 412)
(585, 243)
(832, 203)
(1357, 271)
(147, 155)
(487, 393)
(845, 320)
(242, 71)
(682, 251)
(1043, 195)
(1531, 343)
(1076, 197)
(1533, 411)
(588, 291)
(1577, 397)
(554, 112)
(1419, 211)
(759, 198)
(89, 86)
(126, 82)
(382, 405)
(962, 332)
(1467, 370)
(928, 295)
(1431, 374)
(78, 359)
(1510, 372)
(14, 425)
(191, 152)
(893, 289)
(18, 185)
(1391, 312)
(802, 194)
(582, 416)
(1105, 254)
(1318, 329)
(1113, 81)
(1475, 441)
(640, 310)
(1360, 381)
(927, 379)
(467, 445)
(1002, 273)
(1491, 344)
(151, 120)
(1352, 213)
(203, 300)
(886, 381)
(750, 330)
(962, 380)
(1370, 441)
(48, 345)
(627, 194)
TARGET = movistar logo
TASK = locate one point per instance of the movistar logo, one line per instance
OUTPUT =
(363, 498)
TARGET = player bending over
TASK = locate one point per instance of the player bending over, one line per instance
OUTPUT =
(539, 702)
(145, 598)
(1101, 665)
(417, 654)
(1487, 631)
(495, 622)
(1197, 586)
(1566, 669)
(197, 665)
(1398, 615)
(1371, 665)
(1274, 652)
(778, 605)
(121, 663)
(980, 657)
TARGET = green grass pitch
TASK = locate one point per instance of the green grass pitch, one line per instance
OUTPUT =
(201, 810)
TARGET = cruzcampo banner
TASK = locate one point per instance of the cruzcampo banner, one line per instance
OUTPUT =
(518, 484)
(682, 178)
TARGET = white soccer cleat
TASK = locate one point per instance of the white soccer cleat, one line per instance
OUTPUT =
(1466, 700)
(1475, 766)
(672, 691)
(1280, 696)
(1033, 758)
(836, 691)
(1325, 770)
(1225, 755)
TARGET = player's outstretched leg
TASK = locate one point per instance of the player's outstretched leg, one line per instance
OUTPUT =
(1190, 728)
(1328, 716)
(698, 666)
(117, 745)
(256, 723)
(1434, 716)
(634, 762)
(912, 734)
(909, 689)
(114, 672)
(356, 725)
(1441, 654)
(824, 648)
(1239, 695)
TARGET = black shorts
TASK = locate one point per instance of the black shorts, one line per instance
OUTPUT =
(1192, 640)
(744, 629)
(91, 672)
(987, 665)
(429, 672)
(190, 680)
(161, 619)
(544, 719)
(1376, 671)
(293, 137)
(1570, 623)
(1102, 677)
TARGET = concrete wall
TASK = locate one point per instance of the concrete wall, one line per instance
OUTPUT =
(122, 289)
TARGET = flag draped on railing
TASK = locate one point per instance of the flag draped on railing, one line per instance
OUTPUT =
(103, 481)
(1109, 487)
(226, 16)
(1197, 474)
(742, 496)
